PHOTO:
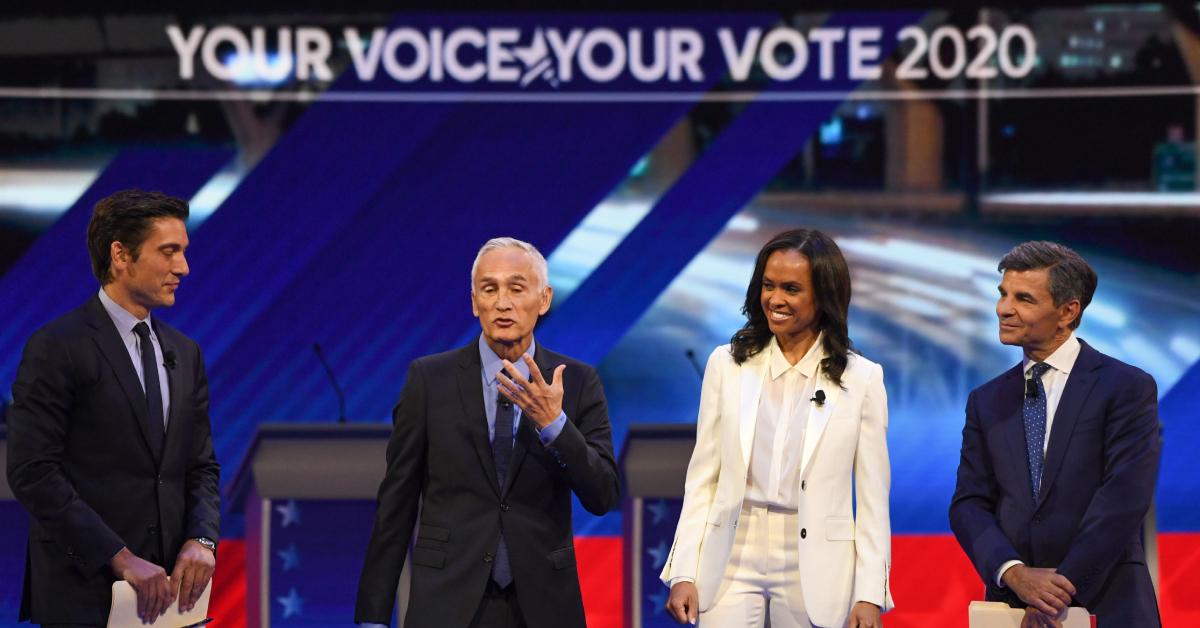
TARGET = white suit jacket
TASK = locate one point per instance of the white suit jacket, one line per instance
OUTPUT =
(844, 558)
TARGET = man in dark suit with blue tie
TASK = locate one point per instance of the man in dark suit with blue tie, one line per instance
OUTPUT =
(109, 442)
(1059, 457)
(491, 440)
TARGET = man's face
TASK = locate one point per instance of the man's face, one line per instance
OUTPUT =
(151, 280)
(507, 297)
(1028, 316)
(787, 296)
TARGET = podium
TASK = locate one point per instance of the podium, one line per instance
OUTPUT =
(654, 466)
(307, 491)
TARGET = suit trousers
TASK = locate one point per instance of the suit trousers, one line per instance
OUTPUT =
(762, 580)
(498, 608)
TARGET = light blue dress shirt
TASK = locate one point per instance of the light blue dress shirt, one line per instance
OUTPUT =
(125, 323)
(493, 364)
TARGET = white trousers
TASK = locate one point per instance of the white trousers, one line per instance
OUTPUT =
(761, 585)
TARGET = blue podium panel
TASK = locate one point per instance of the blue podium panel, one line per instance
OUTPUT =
(15, 524)
(316, 553)
(656, 518)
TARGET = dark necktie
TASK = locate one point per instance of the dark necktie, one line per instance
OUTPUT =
(502, 444)
(154, 404)
(1034, 413)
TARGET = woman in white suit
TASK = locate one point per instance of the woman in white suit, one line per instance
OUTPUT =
(785, 509)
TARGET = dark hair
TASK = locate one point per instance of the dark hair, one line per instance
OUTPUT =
(831, 288)
(126, 217)
(1070, 276)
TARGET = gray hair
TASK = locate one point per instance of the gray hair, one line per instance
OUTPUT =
(539, 263)
(1070, 276)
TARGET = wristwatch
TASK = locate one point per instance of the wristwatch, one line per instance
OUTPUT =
(207, 542)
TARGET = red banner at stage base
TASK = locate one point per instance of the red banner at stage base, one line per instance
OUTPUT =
(919, 563)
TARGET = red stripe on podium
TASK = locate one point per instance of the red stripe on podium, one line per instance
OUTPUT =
(1178, 582)
(228, 605)
(602, 580)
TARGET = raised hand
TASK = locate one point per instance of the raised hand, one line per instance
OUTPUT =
(539, 401)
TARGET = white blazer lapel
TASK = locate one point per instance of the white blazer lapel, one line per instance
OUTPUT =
(818, 417)
(752, 373)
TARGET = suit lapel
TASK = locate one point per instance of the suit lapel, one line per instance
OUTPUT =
(1079, 384)
(1010, 406)
(818, 417)
(470, 392)
(108, 340)
(752, 372)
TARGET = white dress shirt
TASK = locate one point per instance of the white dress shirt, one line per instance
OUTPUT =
(1054, 380)
(774, 466)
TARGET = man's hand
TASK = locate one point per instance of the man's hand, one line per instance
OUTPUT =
(193, 570)
(683, 605)
(154, 591)
(1043, 589)
(1036, 619)
(539, 401)
(865, 615)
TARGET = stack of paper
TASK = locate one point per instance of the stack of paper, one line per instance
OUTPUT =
(124, 610)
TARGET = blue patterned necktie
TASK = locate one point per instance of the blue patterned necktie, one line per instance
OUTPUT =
(1034, 413)
(502, 444)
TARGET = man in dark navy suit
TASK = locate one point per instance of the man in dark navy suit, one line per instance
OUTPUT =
(109, 443)
(1059, 457)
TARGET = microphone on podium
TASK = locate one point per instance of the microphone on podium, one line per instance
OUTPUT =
(333, 380)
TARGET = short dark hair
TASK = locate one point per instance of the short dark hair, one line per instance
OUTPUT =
(831, 285)
(126, 217)
(1070, 276)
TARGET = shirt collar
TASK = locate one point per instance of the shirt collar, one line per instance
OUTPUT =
(493, 363)
(1063, 358)
(807, 366)
(119, 315)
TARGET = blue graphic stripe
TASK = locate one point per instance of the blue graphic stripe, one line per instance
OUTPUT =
(392, 282)
(54, 275)
(315, 179)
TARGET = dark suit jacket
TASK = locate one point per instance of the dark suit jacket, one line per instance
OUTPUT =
(80, 462)
(1097, 485)
(439, 454)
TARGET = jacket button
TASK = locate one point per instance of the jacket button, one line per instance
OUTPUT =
(504, 506)
(152, 530)
(803, 533)
(487, 558)
(803, 485)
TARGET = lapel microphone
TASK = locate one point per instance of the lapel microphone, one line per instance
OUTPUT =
(819, 397)
(169, 359)
(1031, 389)
(505, 402)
